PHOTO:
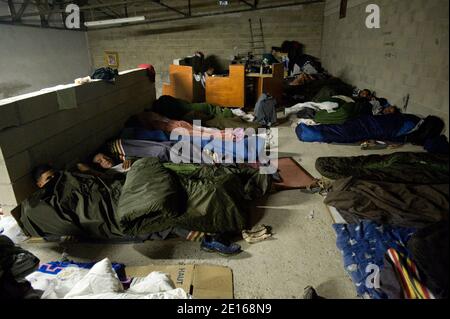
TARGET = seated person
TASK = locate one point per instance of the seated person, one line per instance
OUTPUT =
(201, 66)
(303, 67)
(59, 209)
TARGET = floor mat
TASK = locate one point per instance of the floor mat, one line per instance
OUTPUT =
(293, 176)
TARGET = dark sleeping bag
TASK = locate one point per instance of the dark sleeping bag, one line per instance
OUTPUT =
(73, 204)
(399, 167)
(391, 127)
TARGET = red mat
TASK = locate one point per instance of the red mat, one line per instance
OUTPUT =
(292, 174)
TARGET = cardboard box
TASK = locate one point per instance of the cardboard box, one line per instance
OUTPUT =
(201, 281)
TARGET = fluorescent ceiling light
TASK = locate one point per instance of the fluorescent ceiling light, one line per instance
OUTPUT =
(113, 21)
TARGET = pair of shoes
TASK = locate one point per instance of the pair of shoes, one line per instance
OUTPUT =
(257, 234)
(318, 186)
(214, 245)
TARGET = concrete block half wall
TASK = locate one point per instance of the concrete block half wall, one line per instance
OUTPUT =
(35, 130)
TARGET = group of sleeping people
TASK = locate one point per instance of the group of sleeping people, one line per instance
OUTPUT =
(364, 119)
(147, 135)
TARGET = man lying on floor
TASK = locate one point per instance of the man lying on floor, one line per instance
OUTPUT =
(338, 110)
(206, 149)
(395, 128)
(210, 115)
(152, 200)
(155, 122)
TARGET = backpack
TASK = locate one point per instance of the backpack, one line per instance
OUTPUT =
(106, 74)
(432, 127)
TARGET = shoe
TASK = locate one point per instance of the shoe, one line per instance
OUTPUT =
(213, 245)
(257, 234)
(310, 293)
(251, 239)
(373, 145)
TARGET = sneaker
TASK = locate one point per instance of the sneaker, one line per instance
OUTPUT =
(213, 245)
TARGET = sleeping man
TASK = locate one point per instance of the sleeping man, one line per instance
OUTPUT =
(151, 201)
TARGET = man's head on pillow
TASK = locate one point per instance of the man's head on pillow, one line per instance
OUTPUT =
(103, 160)
(43, 174)
(391, 109)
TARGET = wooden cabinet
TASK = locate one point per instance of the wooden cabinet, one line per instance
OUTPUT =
(271, 84)
(183, 85)
(227, 91)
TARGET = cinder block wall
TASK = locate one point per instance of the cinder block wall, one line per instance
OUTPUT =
(223, 36)
(409, 54)
(33, 130)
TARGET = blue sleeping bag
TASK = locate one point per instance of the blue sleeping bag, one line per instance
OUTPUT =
(391, 127)
(138, 133)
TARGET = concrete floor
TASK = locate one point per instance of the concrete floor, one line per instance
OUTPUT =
(301, 253)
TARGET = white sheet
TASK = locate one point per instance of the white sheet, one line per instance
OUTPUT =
(101, 282)
(327, 106)
(10, 228)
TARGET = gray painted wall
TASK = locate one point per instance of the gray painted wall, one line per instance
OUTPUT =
(32, 58)
(409, 54)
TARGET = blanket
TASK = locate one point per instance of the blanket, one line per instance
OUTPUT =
(363, 247)
(403, 205)
(100, 281)
(391, 127)
(400, 167)
(204, 198)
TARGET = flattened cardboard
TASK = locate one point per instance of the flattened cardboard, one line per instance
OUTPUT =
(201, 281)
(293, 175)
